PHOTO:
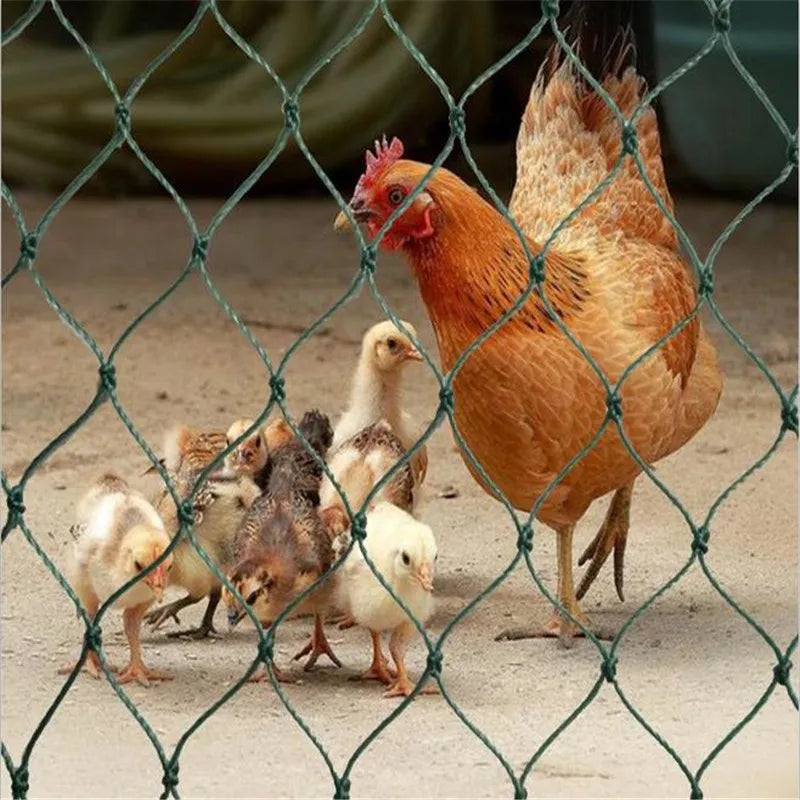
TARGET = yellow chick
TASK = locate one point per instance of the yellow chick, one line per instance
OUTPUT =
(120, 534)
(375, 393)
(250, 456)
(404, 551)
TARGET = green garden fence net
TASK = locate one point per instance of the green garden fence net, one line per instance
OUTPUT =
(786, 419)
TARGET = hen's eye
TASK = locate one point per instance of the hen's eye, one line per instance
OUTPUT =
(138, 566)
(252, 598)
(396, 196)
(406, 559)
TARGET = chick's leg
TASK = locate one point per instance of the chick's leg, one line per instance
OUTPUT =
(613, 535)
(206, 628)
(136, 670)
(402, 686)
(92, 664)
(158, 616)
(379, 670)
(317, 646)
(558, 625)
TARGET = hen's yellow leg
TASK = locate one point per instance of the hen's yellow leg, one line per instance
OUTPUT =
(613, 535)
(558, 625)
(136, 670)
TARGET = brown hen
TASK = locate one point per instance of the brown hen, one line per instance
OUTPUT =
(527, 401)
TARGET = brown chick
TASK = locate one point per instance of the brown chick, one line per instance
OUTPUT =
(282, 546)
(220, 506)
(119, 535)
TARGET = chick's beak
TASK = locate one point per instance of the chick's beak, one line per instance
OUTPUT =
(412, 354)
(156, 581)
(234, 617)
(425, 577)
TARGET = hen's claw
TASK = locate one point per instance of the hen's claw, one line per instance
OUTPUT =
(613, 535)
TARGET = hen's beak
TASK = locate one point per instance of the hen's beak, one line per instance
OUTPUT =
(412, 354)
(341, 223)
(425, 577)
(359, 210)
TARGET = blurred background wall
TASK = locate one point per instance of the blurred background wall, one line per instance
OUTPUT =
(209, 114)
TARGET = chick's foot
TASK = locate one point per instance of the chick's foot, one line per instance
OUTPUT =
(379, 669)
(91, 666)
(317, 646)
(202, 631)
(261, 675)
(137, 671)
(402, 687)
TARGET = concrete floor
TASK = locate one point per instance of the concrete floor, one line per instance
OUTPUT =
(690, 665)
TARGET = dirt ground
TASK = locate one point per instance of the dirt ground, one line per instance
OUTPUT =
(691, 666)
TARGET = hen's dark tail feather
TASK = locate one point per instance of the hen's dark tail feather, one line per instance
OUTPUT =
(601, 33)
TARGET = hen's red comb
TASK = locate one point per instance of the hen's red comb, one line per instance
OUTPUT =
(385, 155)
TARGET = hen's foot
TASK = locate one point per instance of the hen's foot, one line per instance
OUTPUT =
(556, 627)
(137, 671)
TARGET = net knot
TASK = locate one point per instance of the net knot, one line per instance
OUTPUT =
(277, 386)
(457, 121)
(697, 793)
(170, 779)
(614, 406)
(122, 114)
(341, 788)
(608, 668)
(536, 270)
(358, 527)
(525, 538)
(520, 793)
(706, 287)
(265, 651)
(435, 664)
(94, 638)
(16, 508)
(200, 249)
(722, 16)
(630, 141)
(368, 257)
(446, 399)
(550, 9)
(700, 542)
(781, 671)
(19, 782)
(186, 514)
(291, 113)
(789, 416)
(108, 377)
(28, 246)
(791, 151)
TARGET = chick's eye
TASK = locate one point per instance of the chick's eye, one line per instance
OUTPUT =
(252, 597)
(406, 559)
(392, 344)
(138, 566)
(396, 196)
